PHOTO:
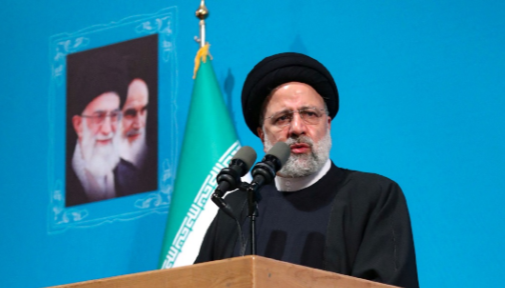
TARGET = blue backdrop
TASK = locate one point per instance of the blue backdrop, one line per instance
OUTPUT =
(422, 98)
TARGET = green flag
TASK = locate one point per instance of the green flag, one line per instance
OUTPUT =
(209, 144)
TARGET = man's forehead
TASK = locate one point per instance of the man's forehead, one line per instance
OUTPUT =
(294, 95)
(138, 94)
(136, 100)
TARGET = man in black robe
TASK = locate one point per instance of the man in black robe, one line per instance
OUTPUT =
(315, 214)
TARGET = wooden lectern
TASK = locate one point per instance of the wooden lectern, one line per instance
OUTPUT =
(240, 272)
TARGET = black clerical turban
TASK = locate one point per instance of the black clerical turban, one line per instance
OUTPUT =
(283, 68)
(92, 73)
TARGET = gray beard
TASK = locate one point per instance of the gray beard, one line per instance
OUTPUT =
(136, 151)
(301, 165)
(100, 160)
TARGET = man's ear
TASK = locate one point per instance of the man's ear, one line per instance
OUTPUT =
(329, 123)
(77, 123)
(261, 134)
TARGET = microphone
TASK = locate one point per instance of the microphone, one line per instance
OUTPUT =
(229, 177)
(264, 172)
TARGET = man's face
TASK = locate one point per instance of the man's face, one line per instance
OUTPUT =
(135, 111)
(101, 118)
(96, 128)
(295, 114)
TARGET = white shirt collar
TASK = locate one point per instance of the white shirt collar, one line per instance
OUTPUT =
(295, 184)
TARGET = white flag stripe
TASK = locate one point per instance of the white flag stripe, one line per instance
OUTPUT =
(188, 239)
(194, 240)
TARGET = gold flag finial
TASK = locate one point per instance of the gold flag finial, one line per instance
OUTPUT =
(202, 11)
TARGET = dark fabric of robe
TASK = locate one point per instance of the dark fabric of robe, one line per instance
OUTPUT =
(125, 183)
(368, 233)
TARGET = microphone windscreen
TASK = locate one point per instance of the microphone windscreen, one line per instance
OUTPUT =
(246, 154)
(280, 150)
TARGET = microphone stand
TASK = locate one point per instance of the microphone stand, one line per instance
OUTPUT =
(263, 173)
(253, 197)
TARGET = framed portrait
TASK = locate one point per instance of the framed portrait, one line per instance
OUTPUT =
(112, 122)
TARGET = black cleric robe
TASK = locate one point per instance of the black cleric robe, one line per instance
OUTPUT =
(368, 232)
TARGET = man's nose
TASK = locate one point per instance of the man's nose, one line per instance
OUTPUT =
(297, 125)
(136, 121)
(106, 126)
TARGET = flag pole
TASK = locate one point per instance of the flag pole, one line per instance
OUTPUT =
(201, 13)
(208, 121)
